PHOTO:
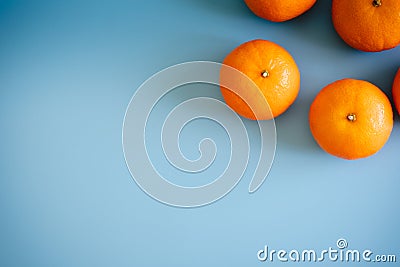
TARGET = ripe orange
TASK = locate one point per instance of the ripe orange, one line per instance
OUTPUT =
(279, 10)
(274, 72)
(351, 119)
(367, 25)
(396, 91)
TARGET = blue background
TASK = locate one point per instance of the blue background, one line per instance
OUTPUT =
(67, 72)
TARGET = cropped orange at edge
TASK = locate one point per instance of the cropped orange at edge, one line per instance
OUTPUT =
(279, 10)
(396, 91)
(367, 25)
(272, 69)
(351, 119)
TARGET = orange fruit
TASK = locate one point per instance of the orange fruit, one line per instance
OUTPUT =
(396, 91)
(367, 25)
(279, 10)
(274, 72)
(351, 119)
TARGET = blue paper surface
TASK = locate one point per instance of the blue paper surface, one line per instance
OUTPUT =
(68, 70)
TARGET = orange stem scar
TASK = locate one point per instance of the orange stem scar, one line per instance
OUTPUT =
(352, 117)
(376, 3)
(265, 74)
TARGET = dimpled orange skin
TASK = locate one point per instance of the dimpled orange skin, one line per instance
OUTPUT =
(280, 88)
(396, 91)
(351, 119)
(279, 10)
(367, 25)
